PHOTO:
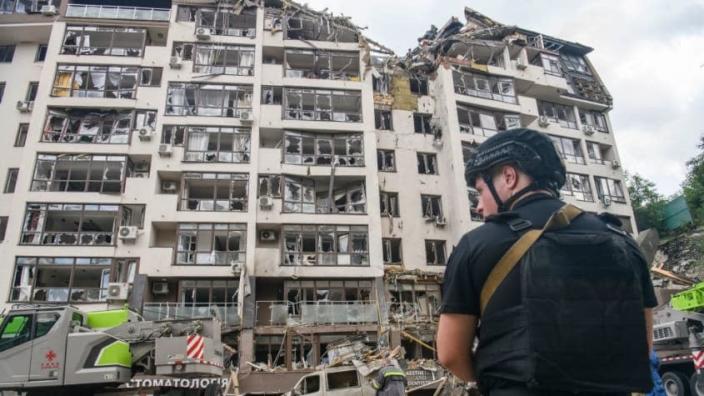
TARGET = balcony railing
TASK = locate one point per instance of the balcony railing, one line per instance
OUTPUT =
(278, 313)
(117, 12)
(226, 312)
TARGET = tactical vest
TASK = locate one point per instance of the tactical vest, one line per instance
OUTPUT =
(580, 326)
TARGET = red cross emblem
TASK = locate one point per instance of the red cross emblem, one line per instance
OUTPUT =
(50, 356)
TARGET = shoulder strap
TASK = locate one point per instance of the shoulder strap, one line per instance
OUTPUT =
(560, 219)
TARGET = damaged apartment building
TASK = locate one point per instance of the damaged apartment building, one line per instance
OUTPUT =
(269, 164)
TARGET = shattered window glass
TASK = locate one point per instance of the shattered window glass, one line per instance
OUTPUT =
(227, 22)
(383, 120)
(317, 149)
(270, 185)
(427, 164)
(97, 81)
(299, 26)
(70, 224)
(214, 192)
(228, 59)
(217, 144)
(435, 252)
(79, 173)
(209, 100)
(104, 40)
(302, 195)
(569, 149)
(325, 245)
(389, 204)
(421, 123)
(322, 105)
(578, 186)
(320, 64)
(392, 251)
(386, 160)
(484, 86)
(431, 206)
(593, 119)
(558, 113)
(609, 190)
(85, 125)
(210, 244)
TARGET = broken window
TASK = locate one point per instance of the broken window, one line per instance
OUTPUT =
(343, 380)
(225, 22)
(414, 301)
(173, 134)
(484, 86)
(204, 294)
(270, 186)
(79, 173)
(104, 40)
(473, 196)
(3, 227)
(11, 180)
(578, 186)
(214, 192)
(421, 123)
(550, 64)
(7, 52)
(609, 190)
(419, 85)
(598, 153)
(217, 144)
(320, 64)
(25, 6)
(318, 149)
(482, 122)
(322, 245)
(85, 125)
(302, 25)
(435, 252)
(381, 83)
(208, 100)
(594, 119)
(383, 120)
(386, 160)
(70, 224)
(432, 206)
(389, 204)
(427, 164)
(271, 95)
(392, 251)
(569, 149)
(303, 195)
(575, 63)
(558, 113)
(96, 81)
(468, 151)
(21, 138)
(40, 55)
(211, 244)
(322, 105)
(236, 60)
(307, 291)
(61, 279)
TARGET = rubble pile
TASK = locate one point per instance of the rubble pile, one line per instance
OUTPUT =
(682, 255)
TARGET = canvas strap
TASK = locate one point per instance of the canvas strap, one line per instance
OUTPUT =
(560, 219)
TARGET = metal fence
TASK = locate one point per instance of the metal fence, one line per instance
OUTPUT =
(226, 312)
(117, 12)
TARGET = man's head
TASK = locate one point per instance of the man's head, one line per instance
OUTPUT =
(511, 164)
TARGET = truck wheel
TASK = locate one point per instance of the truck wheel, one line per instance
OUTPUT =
(675, 384)
(696, 384)
(214, 389)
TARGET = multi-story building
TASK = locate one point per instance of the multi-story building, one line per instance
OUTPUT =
(225, 157)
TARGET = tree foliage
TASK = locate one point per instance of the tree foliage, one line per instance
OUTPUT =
(648, 203)
(693, 186)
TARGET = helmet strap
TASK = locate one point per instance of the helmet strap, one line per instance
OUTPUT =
(503, 206)
(489, 181)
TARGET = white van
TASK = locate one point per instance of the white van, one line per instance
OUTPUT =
(337, 381)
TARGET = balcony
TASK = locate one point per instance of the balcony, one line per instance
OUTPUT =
(117, 12)
(280, 313)
(226, 311)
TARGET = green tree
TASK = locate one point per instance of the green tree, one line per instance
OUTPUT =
(648, 203)
(693, 186)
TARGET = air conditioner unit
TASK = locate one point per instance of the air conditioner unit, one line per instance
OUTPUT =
(520, 65)
(236, 268)
(606, 201)
(543, 122)
(588, 129)
(615, 164)
(175, 62)
(440, 221)
(165, 150)
(246, 117)
(48, 10)
(141, 167)
(160, 288)
(118, 291)
(24, 106)
(437, 143)
(268, 23)
(169, 187)
(266, 202)
(128, 233)
(141, 175)
(267, 236)
(203, 33)
(145, 135)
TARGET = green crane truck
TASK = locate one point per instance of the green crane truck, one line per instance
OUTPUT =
(56, 350)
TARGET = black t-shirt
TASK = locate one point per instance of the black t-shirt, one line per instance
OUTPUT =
(480, 249)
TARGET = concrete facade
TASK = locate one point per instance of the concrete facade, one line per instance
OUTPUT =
(298, 266)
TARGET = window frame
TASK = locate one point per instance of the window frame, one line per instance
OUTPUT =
(241, 136)
(34, 233)
(110, 50)
(433, 244)
(11, 180)
(388, 248)
(609, 182)
(7, 53)
(429, 162)
(485, 86)
(554, 111)
(318, 70)
(501, 121)
(322, 107)
(389, 204)
(231, 229)
(583, 195)
(236, 180)
(383, 155)
(431, 201)
(22, 134)
(350, 158)
(86, 161)
(91, 123)
(192, 51)
(40, 55)
(234, 99)
(561, 142)
(383, 120)
(323, 234)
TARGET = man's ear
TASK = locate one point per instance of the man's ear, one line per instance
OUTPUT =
(510, 176)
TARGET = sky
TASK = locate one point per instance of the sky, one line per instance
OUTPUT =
(649, 53)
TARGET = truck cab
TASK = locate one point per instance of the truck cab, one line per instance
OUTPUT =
(337, 381)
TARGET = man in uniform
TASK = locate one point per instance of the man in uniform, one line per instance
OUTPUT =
(390, 380)
(518, 174)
